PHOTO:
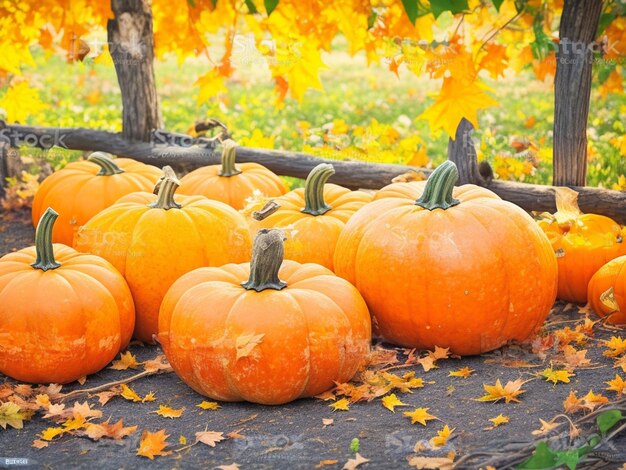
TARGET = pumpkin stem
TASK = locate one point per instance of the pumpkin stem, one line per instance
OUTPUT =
(268, 251)
(165, 188)
(314, 189)
(106, 164)
(438, 191)
(229, 148)
(43, 242)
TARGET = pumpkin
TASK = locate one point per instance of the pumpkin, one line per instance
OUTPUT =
(314, 216)
(449, 267)
(607, 291)
(63, 314)
(582, 243)
(267, 331)
(232, 184)
(82, 189)
(154, 239)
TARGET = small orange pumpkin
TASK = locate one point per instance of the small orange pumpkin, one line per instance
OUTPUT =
(239, 332)
(153, 240)
(449, 267)
(232, 184)
(582, 244)
(314, 216)
(63, 314)
(607, 291)
(82, 189)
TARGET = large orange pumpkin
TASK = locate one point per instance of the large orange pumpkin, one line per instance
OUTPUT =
(232, 184)
(607, 291)
(82, 189)
(63, 314)
(313, 217)
(267, 331)
(449, 267)
(153, 240)
(582, 243)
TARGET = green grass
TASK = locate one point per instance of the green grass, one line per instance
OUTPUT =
(87, 95)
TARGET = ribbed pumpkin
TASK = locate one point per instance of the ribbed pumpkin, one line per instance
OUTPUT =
(607, 291)
(82, 189)
(153, 240)
(582, 243)
(449, 267)
(239, 332)
(313, 217)
(63, 314)
(231, 183)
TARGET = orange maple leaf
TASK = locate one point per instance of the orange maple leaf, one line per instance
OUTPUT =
(153, 444)
(495, 60)
(617, 385)
(126, 361)
(497, 392)
(168, 412)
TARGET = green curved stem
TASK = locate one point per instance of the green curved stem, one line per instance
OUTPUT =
(314, 189)
(43, 242)
(228, 159)
(166, 188)
(106, 163)
(268, 252)
(438, 191)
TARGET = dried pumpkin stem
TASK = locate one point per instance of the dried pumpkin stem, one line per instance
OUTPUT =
(228, 159)
(438, 191)
(314, 189)
(166, 188)
(43, 242)
(106, 164)
(268, 252)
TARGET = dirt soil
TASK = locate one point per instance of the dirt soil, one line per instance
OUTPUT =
(294, 436)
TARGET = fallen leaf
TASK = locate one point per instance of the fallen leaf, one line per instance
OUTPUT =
(498, 420)
(391, 401)
(11, 415)
(56, 410)
(465, 372)
(427, 363)
(126, 361)
(104, 397)
(182, 440)
(358, 459)
(573, 358)
(39, 444)
(616, 346)
(85, 411)
(593, 400)
(5, 391)
(209, 405)
(617, 385)
(116, 431)
(149, 397)
(572, 403)
(209, 438)
(232, 466)
(621, 362)
(23, 390)
(442, 437)
(342, 405)
(497, 392)
(157, 364)
(546, 426)
(82, 380)
(324, 463)
(555, 376)
(153, 444)
(129, 394)
(73, 424)
(50, 433)
(245, 344)
(439, 353)
(327, 421)
(52, 390)
(419, 415)
(168, 412)
(441, 463)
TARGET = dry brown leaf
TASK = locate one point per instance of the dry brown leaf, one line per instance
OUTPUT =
(327, 421)
(39, 444)
(324, 463)
(126, 361)
(153, 444)
(358, 459)
(23, 390)
(157, 364)
(104, 397)
(115, 431)
(232, 466)
(209, 438)
(546, 426)
(85, 411)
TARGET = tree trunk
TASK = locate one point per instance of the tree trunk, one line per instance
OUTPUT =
(4, 156)
(131, 44)
(572, 89)
(462, 152)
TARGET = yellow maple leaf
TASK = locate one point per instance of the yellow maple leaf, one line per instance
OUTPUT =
(129, 394)
(391, 401)
(497, 392)
(153, 444)
(457, 99)
(211, 84)
(555, 376)
(419, 415)
(245, 344)
(149, 397)
(73, 424)
(168, 412)
(546, 426)
(617, 385)
(209, 405)
(126, 361)
(340, 405)
(50, 433)
(11, 415)
(592, 400)
(616, 346)
(298, 62)
(21, 101)
(465, 372)
(442, 437)
(499, 420)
